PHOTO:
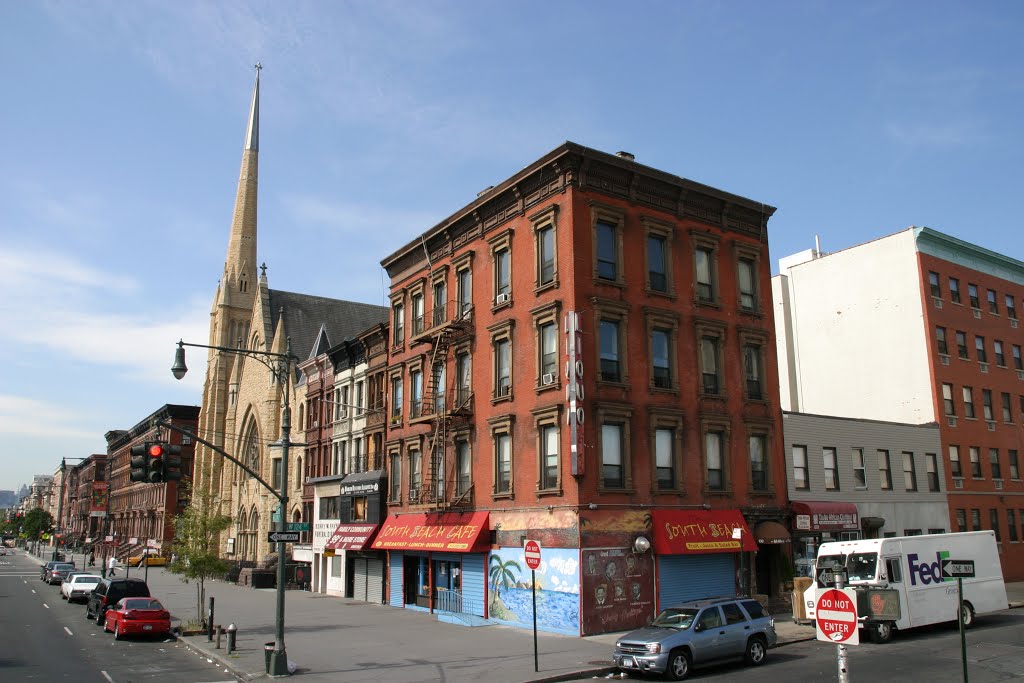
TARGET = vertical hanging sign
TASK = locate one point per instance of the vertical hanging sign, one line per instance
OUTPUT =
(574, 390)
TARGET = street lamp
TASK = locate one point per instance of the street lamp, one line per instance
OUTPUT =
(273, 361)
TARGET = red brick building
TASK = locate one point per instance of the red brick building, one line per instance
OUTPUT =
(583, 356)
(86, 505)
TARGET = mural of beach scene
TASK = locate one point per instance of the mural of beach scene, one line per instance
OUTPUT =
(510, 596)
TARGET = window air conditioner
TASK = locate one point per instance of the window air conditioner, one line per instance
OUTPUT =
(958, 483)
(991, 426)
(501, 299)
(938, 302)
(944, 359)
(951, 420)
(548, 378)
(976, 312)
(999, 484)
(1013, 323)
(983, 367)
(1020, 374)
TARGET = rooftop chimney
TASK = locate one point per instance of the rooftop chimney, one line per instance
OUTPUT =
(626, 155)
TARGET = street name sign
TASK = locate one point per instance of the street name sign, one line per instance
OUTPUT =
(836, 616)
(962, 569)
(298, 526)
(531, 551)
(283, 537)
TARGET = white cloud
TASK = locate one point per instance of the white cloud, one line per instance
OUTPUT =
(42, 270)
(31, 417)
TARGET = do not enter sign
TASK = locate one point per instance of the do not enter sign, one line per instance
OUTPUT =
(531, 551)
(836, 616)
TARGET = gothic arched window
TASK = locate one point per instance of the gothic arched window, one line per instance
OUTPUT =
(251, 446)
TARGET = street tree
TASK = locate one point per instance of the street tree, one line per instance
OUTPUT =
(195, 556)
(36, 522)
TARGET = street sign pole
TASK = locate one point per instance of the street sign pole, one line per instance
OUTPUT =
(960, 621)
(844, 671)
(531, 553)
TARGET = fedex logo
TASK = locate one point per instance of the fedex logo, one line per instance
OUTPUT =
(927, 572)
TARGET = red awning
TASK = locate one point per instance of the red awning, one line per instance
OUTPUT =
(814, 516)
(700, 531)
(351, 536)
(462, 532)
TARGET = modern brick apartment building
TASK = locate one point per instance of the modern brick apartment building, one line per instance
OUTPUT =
(583, 356)
(918, 327)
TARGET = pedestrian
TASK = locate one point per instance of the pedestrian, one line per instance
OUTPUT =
(112, 565)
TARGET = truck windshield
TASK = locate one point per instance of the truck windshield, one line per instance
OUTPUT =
(862, 566)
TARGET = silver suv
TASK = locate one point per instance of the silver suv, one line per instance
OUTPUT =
(695, 633)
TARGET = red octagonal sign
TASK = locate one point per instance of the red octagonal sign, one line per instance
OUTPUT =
(836, 615)
(531, 552)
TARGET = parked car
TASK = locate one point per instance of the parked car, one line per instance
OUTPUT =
(695, 633)
(137, 615)
(58, 572)
(78, 586)
(45, 569)
(109, 592)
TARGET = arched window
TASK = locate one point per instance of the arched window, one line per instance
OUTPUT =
(251, 446)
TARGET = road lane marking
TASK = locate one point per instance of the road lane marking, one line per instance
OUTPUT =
(69, 631)
(107, 676)
(46, 606)
(33, 590)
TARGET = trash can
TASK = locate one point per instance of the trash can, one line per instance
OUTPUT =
(268, 650)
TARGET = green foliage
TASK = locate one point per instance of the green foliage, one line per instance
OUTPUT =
(36, 522)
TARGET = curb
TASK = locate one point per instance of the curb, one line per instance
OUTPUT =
(220, 659)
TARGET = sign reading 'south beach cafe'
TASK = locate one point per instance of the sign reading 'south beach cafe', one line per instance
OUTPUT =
(465, 532)
(700, 531)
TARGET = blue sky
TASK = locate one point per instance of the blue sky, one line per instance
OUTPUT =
(121, 131)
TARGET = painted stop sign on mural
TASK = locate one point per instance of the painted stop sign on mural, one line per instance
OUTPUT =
(531, 551)
(836, 615)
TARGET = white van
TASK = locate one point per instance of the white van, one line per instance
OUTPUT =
(912, 566)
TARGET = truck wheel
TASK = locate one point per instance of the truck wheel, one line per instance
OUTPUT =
(756, 651)
(678, 665)
(967, 615)
(881, 632)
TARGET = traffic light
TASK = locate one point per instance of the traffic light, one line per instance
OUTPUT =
(172, 462)
(157, 454)
(140, 462)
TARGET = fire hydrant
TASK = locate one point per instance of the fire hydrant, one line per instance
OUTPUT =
(232, 631)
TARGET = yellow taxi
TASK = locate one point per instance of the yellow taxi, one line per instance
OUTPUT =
(151, 559)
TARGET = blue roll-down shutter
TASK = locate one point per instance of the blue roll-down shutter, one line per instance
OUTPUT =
(690, 577)
(396, 598)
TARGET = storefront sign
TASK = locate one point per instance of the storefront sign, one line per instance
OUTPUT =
(360, 488)
(350, 536)
(812, 516)
(700, 531)
(458, 532)
(322, 530)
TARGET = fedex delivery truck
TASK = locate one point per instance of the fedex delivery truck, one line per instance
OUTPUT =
(916, 568)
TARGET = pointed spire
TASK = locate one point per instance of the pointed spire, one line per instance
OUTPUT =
(252, 135)
(240, 264)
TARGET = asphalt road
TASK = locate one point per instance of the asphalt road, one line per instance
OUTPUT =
(46, 639)
(995, 652)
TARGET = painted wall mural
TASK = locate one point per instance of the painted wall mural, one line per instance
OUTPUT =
(617, 589)
(510, 593)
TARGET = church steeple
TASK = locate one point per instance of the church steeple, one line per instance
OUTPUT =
(240, 264)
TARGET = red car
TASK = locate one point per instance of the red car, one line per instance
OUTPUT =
(137, 615)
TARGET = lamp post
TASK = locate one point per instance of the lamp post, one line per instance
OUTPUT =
(279, 658)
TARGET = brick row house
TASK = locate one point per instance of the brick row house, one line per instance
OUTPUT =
(582, 356)
(86, 504)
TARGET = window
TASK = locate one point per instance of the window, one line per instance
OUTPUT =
(657, 263)
(1014, 467)
(612, 472)
(502, 274)
(502, 463)
(909, 472)
(704, 273)
(503, 368)
(714, 464)
(415, 474)
(940, 337)
(462, 377)
(665, 459)
(607, 239)
(961, 519)
(975, 454)
(397, 325)
(972, 293)
(417, 314)
(831, 465)
(1007, 407)
(993, 307)
(1011, 525)
(439, 314)
(933, 284)
(343, 458)
(757, 448)
(947, 399)
(1017, 363)
(860, 475)
(396, 399)
(609, 345)
(660, 358)
(884, 470)
(752, 371)
(975, 519)
(931, 461)
(961, 344)
(416, 393)
(545, 256)
(968, 393)
(912, 532)
(986, 403)
(439, 381)
(395, 476)
(993, 521)
(463, 468)
(275, 473)
(955, 469)
(549, 479)
(1011, 308)
(979, 347)
(548, 335)
(464, 287)
(1000, 357)
(733, 615)
(954, 290)
(710, 375)
(800, 480)
(747, 273)
(993, 459)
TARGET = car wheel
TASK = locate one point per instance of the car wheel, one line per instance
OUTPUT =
(756, 651)
(967, 615)
(881, 632)
(117, 631)
(678, 665)
(101, 620)
(88, 612)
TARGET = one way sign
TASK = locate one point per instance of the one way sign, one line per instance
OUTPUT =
(953, 569)
(286, 537)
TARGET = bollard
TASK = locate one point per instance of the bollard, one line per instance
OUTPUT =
(220, 632)
(209, 623)
(232, 634)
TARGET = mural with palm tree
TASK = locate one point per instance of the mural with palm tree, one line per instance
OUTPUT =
(502, 576)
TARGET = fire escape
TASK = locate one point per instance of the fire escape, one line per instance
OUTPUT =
(446, 405)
